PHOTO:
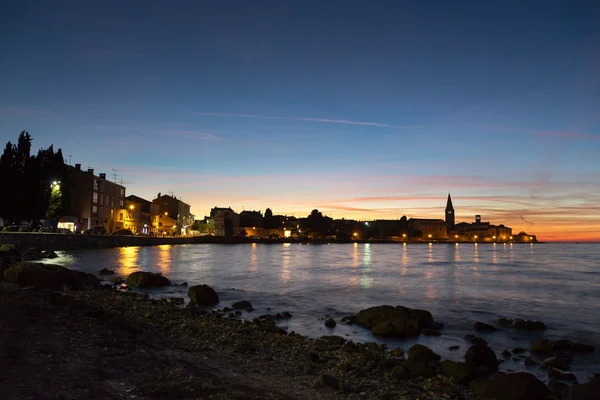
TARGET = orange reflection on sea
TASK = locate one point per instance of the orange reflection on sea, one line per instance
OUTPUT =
(285, 263)
(129, 258)
(404, 269)
(164, 258)
(253, 258)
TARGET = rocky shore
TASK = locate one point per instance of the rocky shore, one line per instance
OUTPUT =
(66, 334)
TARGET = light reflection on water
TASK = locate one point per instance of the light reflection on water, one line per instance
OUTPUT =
(556, 283)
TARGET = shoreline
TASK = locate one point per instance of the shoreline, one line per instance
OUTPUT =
(95, 338)
(56, 241)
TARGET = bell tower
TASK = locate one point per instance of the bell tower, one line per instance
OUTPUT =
(449, 213)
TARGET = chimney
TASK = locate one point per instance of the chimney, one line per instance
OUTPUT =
(91, 171)
(102, 176)
(78, 167)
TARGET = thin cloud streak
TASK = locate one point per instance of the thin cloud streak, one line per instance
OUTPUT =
(545, 133)
(324, 120)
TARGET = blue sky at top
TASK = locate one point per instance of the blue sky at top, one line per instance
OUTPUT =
(367, 109)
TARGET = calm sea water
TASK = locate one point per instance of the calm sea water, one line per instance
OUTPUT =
(459, 283)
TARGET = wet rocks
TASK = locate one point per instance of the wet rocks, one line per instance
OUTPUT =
(397, 352)
(330, 323)
(106, 271)
(518, 350)
(483, 327)
(203, 295)
(540, 345)
(394, 321)
(506, 354)
(474, 339)
(146, 280)
(457, 370)
(554, 373)
(560, 390)
(530, 362)
(556, 362)
(242, 305)
(431, 332)
(48, 276)
(518, 385)
(570, 346)
(586, 391)
(422, 361)
(481, 359)
(522, 324)
(452, 348)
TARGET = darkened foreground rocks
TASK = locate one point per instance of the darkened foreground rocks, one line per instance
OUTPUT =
(513, 386)
(48, 276)
(481, 360)
(146, 280)
(106, 271)
(586, 391)
(202, 295)
(483, 327)
(242, 305)
(394, 321)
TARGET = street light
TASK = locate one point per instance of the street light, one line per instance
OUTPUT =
(131, 206)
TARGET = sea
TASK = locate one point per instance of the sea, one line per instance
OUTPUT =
(556, 283)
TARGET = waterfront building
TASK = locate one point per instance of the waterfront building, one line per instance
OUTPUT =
(226, 221)
(428, 229)
(482, 231)
(175, 209)
(95, 201)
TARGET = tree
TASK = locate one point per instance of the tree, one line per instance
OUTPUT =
(268, 221)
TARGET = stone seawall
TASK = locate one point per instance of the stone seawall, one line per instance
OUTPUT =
(69, 242)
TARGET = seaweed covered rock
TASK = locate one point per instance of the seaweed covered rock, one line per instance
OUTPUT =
(394, 321)
(146, 280)
(481, 359)
(203, 295)
(49, 276)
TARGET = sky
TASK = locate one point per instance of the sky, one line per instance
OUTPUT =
(365, 110)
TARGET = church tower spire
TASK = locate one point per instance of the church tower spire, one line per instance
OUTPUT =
(449, 213)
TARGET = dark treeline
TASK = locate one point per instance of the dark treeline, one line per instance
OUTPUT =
(28, 193)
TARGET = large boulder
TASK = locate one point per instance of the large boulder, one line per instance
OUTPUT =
(146, 280)
(483, 327)
(539, 345)
(481, 359)
(458, 370)
(9, 256)
(394, 321)
(49, 276)
(522, 324)
(513, 386)
(570, 346)
(203, 295)
(586, 391)
(422, 361)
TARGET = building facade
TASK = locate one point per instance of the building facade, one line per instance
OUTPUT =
(177, 210)
(95, 201)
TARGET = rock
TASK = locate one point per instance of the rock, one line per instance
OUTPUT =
(556, 362)
(518, 350)
(506, 354)
(511, 386)
(452, 348)
(49, 276)
(522, 324)
(9, 248)
(457, 370)
(574, 347)
(401, 372)
(481, 359)
(146, 280)
(33, 253)
(105, 271)
(554, 373)
(483, 327)
(348, 319)
(330, 323)
(419, 354)
(327, 380)
(423, 370)
(560, 390)
(586, 391)
(203, 295)
(286, 315)
(394, 321)
(397, 352)
(431, 332)
(539, 345)
(530, 362)
(49, 254)
(177, 300)
(474, 339)
(332, 340)
(242, 305)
